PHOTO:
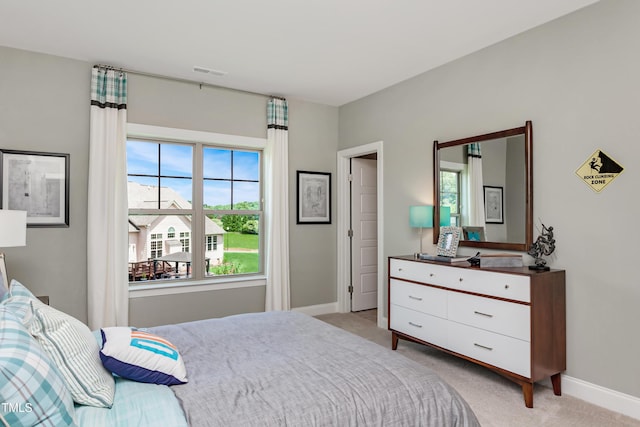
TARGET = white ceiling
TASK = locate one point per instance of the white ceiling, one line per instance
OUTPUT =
(326, 51)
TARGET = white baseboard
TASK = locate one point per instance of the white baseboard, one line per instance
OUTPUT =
(317, 310)
(606, 398)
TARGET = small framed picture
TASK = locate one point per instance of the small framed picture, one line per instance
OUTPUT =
(448, 241)
(493, 205)
(474, 234)
(313, 197)
(38, 183)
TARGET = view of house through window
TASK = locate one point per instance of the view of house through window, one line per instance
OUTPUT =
(165, 181)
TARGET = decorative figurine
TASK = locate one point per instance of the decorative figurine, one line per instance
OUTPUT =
(545, 244)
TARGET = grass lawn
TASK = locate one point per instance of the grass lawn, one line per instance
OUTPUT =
(234, 240)
(247, 262)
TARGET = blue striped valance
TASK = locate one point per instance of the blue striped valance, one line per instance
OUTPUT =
(277, 114)
(108, 88)
(473, 150)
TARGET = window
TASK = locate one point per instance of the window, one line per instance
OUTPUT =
(184, 241)
(212, 243)
(208, 200)
(450, 193)
(156, 246)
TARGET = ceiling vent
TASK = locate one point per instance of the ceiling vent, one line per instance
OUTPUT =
(204, 70)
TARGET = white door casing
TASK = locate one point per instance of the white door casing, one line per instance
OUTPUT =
(343, 222)
(364, 250)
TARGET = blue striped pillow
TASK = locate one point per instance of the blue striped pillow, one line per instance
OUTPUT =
(32, 390)
(72, 347)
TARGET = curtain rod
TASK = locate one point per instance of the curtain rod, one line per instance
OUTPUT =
(178, 79)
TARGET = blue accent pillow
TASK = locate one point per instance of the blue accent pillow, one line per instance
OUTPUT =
(141, 356)
(32, 391)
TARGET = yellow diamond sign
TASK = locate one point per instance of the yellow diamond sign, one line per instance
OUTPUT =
(599, 170)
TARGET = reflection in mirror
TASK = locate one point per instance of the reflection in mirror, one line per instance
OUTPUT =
(495, 166)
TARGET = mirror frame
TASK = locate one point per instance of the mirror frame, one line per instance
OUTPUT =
(527, 130)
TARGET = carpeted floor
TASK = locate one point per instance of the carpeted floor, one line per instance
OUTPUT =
(496, 401)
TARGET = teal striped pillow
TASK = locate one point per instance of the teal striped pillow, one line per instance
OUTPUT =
(18, 289)
(74, 350)
(32, 391)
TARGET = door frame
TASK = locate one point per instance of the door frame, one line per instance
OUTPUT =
(343, 215)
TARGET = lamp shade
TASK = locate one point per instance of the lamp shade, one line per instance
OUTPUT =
(421, 216)
(445, 216)
(13, 228)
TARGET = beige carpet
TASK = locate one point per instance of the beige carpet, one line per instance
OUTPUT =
(496, 401)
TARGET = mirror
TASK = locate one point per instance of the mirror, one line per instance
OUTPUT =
(486, 182)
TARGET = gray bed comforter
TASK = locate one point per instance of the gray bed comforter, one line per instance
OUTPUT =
(289, 369)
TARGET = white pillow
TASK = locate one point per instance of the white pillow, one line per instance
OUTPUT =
(141, 356)
(74, 350)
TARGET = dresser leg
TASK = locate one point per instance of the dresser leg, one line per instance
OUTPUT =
(394, 341)
(527, 391)
(557, 386)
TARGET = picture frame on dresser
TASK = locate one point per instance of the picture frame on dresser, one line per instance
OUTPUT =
(474, 234)
(448, 241)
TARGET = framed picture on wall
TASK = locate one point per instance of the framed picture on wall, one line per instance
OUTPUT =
(313, 197)
(38, 183)
(493, 205)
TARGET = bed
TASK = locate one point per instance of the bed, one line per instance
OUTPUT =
(282, 369)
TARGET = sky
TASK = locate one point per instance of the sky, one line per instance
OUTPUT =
(176, 162)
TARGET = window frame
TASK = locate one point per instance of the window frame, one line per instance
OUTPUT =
(460, 171)
(200, 139)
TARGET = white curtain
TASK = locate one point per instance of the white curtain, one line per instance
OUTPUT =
(276, 157)
(476, 192)
(107, 240)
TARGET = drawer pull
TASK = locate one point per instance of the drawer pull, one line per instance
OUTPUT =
(483, 346)
(415, 324)
(415, 298)
(483, 314)
(430, 274)
(506, 286)
(461, 279)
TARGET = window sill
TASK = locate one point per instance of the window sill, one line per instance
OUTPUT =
(183, 287)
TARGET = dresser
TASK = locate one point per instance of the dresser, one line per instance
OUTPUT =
(510, 320)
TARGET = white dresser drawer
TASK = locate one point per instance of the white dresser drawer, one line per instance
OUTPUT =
(434, 274)
(419, 298)
(504, 352)
(419, 325)
(506, 318)
(502, 285)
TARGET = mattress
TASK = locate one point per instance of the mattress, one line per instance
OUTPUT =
(289, 369)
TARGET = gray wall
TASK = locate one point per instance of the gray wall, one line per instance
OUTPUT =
(44, 106)
(576, 78)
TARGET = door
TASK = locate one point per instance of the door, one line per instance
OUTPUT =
(364, 243)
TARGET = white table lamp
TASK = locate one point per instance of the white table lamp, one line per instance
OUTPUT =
(13, 228)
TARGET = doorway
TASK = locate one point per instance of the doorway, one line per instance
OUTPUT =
(364, 231)
(345, 258)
